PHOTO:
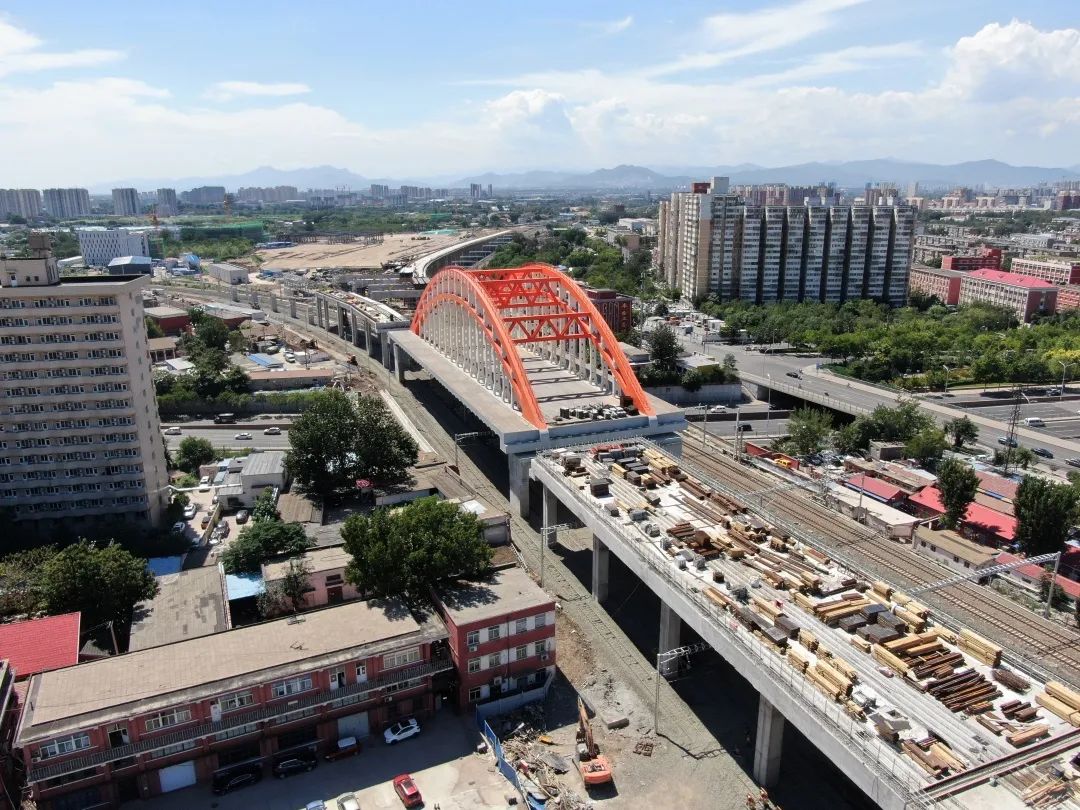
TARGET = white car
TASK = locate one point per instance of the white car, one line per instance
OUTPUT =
(179, 527)
(348, 802)
(718, 409)
(173, 431)
(272, 431)
(401, 731)
(204, 484)
(242, 437)
(190, 511)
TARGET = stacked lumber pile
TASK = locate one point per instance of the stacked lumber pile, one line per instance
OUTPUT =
(966, 691)
(1019, 710)
(1011, 680)
(933, 756)
(979, 648)
(833, 611)
(1062, 701)
(1048, 791)
(1018, 739)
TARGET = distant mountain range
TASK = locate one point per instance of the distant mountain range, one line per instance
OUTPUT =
(846, 174)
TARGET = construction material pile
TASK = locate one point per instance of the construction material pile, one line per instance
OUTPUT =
(1062, 701)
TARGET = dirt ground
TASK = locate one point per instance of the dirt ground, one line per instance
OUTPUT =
(395, 247)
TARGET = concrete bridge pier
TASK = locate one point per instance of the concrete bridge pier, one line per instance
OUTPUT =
(292, 308)
(254, 298)
(319, 313)
(384, 348)
(768, 743)
(273, 303)
(519, 482)
(399, 369)
(370, 341)
(601, 559)
(234, 294)
(551, 509)
(670, 638)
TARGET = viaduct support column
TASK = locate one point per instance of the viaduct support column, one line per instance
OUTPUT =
(601, 557)
(519, 483)
(292, 308)
(551, 508)
(670, 635)
(399, 364)
(370, 339)
(319, 313)
(768, 743)
(273, 303)
(384, 348)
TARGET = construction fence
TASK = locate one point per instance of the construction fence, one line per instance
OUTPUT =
(504, 705)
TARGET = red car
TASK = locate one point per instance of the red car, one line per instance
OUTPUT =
(407, 791)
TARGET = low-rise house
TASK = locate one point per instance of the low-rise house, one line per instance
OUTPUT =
(240, 489)
(980, 523)
(164, 718)
(189, 604)
(40, 645)
(953, 549)
(1032, 576)
(290, 379)
(162, 349)
(326, 575)
(172, 320)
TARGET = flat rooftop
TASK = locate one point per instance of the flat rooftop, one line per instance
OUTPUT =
(189, 604)
(268, 462)
(108, 689)
(329, 558)
(508, 590)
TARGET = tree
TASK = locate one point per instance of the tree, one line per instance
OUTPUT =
(193, 453)
(288, 594)
(958, 484)
(153, 328)
(406, 552)
(258, 542)
(661, 309)
(926, 446)
(20, 581)
(808, 429)
(962, 430)
(1044, 513)
(265, 507)
(334, 443)
(104, 583)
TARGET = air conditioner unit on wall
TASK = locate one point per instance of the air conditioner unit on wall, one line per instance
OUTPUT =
(543, 656)
(474, 647)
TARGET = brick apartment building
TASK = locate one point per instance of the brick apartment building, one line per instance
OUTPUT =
(617, 308)
(943, 284)
(987, 258)
(1025, 296)
(160, 719)
(1054, 271)
(502, 635)
(1068, 297)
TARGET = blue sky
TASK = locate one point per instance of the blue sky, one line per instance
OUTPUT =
(117, 89)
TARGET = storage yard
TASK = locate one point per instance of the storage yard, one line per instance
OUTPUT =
(915, 694)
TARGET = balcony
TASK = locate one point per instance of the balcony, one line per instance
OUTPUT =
(197, 731)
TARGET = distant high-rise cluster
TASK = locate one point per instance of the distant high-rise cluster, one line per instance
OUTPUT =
(67, 203)
(713, 242)
(204, 195)
(274, 194)
(126, 202)
(22, 202)
(167, 205)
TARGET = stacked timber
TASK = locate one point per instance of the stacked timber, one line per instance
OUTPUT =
(933, 756)
(833, 611)
(798, 659)
(884, 656)
(882, 589)
(1018, 739)
(1019, 710)
(966, 691)
(1062, 701)
(690, 486)
(979, 648)
(808, 640)
(1011, 680)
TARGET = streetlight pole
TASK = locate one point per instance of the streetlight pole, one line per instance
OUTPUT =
(1064, 367)
(545, 533)
(946, 378)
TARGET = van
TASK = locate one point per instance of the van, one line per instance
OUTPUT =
(1034, 421)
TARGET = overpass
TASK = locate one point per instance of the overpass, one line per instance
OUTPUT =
(468, 253)
(530, 356)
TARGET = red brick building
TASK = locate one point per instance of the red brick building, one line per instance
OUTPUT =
(172, 320)
(1053, 270)
(617, 308)
(987, 258)
(1068, 297)
(502, 635)
(1024, 295)
(943, 284)
(164, 718)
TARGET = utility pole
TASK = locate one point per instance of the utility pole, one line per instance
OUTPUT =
(545, 533)
(946, 378)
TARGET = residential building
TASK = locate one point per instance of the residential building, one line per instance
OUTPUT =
(160, 719)
(712, 242)
(41, 645)
(1068, 298)
(81, 437)
(22, 202)
(162, 349)
(1054, 271)
(167, 204)
(67, 203)
(981, 523)
(942, 284)
(326, 575)
(126, 202)
(204, 195)
(99, 246)
(1032, 575)
(171, 320)
(10, 770)
(953, 549)
(258, 471)
(1024, 295)
(502, 634)
(617, 308)
(985, 258)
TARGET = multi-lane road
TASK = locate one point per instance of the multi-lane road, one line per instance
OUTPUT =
(225, 435)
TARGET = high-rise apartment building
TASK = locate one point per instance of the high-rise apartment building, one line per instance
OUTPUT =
(167, 206)
(67, 203)
(23, 202)
(125, 202)
(99, 246)
(81, 439)
(204, 195)
(711, 242)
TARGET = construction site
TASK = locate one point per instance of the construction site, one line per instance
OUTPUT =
(373, 252)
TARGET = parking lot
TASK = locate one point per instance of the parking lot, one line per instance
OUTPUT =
(441, 760)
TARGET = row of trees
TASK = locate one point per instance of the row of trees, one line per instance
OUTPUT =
(663, 369)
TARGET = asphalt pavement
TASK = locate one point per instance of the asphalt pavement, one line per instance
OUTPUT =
(225, 436)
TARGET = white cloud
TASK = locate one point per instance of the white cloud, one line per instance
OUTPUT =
(227, 91)
(20, 53)
(617, 26)
(845, 60)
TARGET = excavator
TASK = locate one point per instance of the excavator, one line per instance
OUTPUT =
(595, 768)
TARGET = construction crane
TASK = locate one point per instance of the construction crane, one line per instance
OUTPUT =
(595, 768)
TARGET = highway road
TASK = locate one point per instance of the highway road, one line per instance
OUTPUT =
(222, 436)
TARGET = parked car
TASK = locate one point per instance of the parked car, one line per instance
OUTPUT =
(190, 511)
(204, 484)
(744, 426)
(348, 801)
(318, 804)
(242, 516)
(205, 521)
(299, 762)
(407, 791)
(401, 731)
(272, 431)
(346, 747)
(179, 527)
(1073, 462)
(242, 437)
(1042, 452)
(236, 778)
(173, 431)
(1005, 441)
(718, 409)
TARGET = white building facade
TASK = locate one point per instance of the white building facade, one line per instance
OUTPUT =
(99, 246)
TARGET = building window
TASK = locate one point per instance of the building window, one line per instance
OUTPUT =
(239, 731)
(167, 719)
(361, 673)
(541, 619)
(401, 658)
(294, 716)
(521, 652)
(412, 683)
(176, 748)
(474, 665)
(541, 648)
(291, 687)
(493, 660)
(64, 745)
(521, 625)
(494, 632)
(475, 694)
(236, 701)
(473, 638)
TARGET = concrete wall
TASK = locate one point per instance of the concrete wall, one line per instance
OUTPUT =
(726, 393)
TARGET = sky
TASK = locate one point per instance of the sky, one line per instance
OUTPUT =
(91, 92)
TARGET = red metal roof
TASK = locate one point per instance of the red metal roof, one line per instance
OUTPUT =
(1035, 572)
(978, 516)
(1015, 279)
(875, 487)
(38, 645)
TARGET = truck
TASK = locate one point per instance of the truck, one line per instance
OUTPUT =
(225, 419)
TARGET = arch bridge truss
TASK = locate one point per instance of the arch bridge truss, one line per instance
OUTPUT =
(483, 320)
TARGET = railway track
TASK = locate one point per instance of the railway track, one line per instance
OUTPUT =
(1016, 627)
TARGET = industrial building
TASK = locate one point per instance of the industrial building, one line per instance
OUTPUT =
(711, 242)
(99, 246)
(227, 273)
(82, 440)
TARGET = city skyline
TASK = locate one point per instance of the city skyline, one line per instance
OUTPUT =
(772, 84)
